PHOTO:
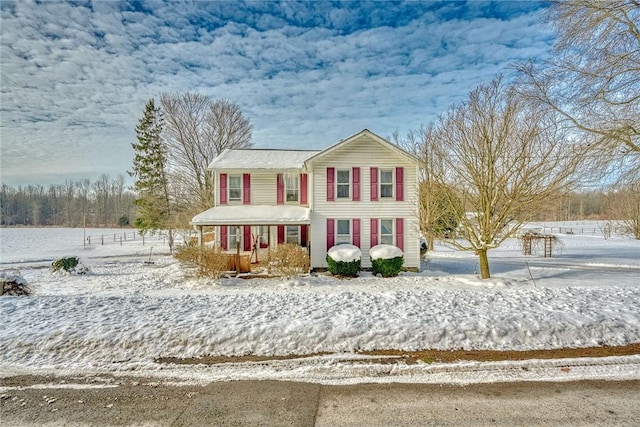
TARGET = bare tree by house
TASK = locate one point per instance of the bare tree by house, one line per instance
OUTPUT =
(502, 159)
(150, 172)
(438, 219)
(197, 129)
(593, 79)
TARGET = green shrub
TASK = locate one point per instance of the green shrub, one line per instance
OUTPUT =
(69, 264)
(344, 268)
(387, 267)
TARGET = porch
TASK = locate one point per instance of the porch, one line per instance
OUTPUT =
(246, 233)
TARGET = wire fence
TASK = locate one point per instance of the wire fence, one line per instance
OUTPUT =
(124, 237)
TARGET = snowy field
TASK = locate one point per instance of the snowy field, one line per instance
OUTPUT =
(128, 312)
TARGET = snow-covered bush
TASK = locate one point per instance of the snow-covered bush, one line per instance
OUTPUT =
(288, 260)
(70, 264)
(344, 260)
(14, 285)
(210, 262)
(386, 260)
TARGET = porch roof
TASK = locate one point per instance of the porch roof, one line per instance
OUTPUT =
(254, 215)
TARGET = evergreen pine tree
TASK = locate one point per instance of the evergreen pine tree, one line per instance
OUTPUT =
(153, 205)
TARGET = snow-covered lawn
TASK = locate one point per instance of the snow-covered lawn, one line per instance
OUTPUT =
(128, 312)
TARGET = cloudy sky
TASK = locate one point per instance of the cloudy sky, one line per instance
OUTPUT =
(75, 76)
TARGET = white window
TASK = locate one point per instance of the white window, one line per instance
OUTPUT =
(343, 184)
(343, 231)
(292, 187)
(386, 183)
(235, 188)
(386, 231)
(293, 234)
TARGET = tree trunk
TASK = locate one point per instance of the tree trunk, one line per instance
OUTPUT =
(484, 264)
(170, 239)
(430, 243)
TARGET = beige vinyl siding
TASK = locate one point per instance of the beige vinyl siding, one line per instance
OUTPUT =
(364, 152)
(263, 187)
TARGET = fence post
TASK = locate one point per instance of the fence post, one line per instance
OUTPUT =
(120, 240)
(102, 239)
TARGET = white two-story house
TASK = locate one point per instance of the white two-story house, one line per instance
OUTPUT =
(362, 190)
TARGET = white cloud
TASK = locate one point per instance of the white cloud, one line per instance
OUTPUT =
(75, 79)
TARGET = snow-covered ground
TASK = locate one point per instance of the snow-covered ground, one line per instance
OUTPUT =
(128, 312)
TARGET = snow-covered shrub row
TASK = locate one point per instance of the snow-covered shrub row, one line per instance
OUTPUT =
(344, 260)
(69, 264)
(386, 260)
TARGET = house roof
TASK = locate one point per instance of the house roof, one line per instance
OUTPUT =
(367, 132)
(261, 159)
(254, 215)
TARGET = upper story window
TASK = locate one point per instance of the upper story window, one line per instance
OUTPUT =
(292, 188)
(386, 183)
(343, 231)
(235, 188)
(343, 183)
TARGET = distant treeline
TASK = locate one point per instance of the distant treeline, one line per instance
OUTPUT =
(103, 203)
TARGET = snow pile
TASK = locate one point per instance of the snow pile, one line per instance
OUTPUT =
(385, 252)
(345, 253)
(12, 284)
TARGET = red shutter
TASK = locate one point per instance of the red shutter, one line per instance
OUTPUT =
(247, 238)
(400, 184)
(331, 233)
(280, 234)
(374, 184)
(246, 189)
(304, 188)
(356, 232)
(280, 189)
(374, 231)
(304, 232)
(331, 173)
(223, 188)
(224, 241)
(400, 233)
(356, 184)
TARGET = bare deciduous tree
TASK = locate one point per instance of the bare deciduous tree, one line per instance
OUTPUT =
(501, 158)
(626, 207)
(197, 129)
(438, 218)
(593, 79)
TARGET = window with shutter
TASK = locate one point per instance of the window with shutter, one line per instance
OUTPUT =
(386, 231)
(235, 188)
(343, 184)
(386, 183)
(343, 231)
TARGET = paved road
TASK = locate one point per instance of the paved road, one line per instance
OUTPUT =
(269, 403)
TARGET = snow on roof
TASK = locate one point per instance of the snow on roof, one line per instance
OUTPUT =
(261, 159)
(253, 215)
